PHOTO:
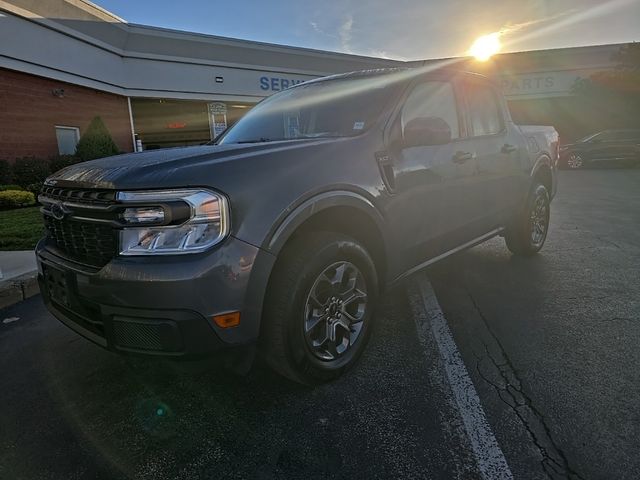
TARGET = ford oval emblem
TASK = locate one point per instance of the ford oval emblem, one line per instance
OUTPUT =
(57, 211)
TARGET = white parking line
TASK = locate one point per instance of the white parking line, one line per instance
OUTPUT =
(488, 455)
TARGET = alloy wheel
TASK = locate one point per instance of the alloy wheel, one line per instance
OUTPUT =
(539, 220)
(335, 310)
(574, 160)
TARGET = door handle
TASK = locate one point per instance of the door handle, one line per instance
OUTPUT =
(507, 148)
(385, 163)
(461, 157)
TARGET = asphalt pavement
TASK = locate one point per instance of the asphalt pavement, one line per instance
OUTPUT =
(72, 410)
(551, 342)
(549, 345)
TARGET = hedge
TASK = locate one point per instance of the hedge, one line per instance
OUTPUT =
(16, 198)
(6, 175)
(10, 187)
(58, 162)
(29, 173)
(30, 170)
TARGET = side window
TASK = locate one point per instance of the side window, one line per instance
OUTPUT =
(432, 99)
(605, 137)
(625, 135)
(484, 111)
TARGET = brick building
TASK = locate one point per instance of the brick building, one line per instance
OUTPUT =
(38, 114)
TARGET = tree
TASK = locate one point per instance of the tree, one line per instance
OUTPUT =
(614, 94)
(96, 142)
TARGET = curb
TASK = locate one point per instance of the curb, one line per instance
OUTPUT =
(18, 289)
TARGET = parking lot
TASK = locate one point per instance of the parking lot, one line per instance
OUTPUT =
(549, 343)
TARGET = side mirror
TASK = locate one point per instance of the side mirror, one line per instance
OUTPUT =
(424, 131)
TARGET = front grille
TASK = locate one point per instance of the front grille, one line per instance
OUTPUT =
(90, 240)
(90, 243)
(81, 196)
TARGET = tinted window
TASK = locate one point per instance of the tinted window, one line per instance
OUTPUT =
(626, 135)
(604, 137)
(590, 137)
(484, 112)
(432, 99)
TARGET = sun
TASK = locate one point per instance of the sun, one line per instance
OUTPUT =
(486, 46)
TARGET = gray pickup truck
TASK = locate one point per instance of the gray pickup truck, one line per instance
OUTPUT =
(278, 238)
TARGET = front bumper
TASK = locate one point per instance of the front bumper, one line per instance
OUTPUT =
(160, 305)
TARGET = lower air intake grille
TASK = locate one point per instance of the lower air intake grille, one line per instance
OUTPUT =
(138, 336)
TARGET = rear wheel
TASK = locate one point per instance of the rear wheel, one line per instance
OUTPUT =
(528, 231)
(318, 311)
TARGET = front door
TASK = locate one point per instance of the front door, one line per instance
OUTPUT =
(615, 145)
(423, 176)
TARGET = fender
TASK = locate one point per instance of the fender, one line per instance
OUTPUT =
(292, 218)
(542, 161)
(283, 228)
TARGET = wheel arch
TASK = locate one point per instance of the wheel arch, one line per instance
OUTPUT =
(345, 212)
(544, 171)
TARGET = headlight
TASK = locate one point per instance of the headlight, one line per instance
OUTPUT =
(192, 220)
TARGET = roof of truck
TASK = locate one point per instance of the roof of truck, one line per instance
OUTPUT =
(403, 73)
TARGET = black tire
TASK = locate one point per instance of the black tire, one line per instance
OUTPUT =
(527, 232)
(286, 342)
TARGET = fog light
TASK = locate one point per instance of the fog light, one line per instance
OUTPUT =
(227, 320)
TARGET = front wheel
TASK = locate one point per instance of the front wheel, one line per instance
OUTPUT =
(319, 306)
(528, 231)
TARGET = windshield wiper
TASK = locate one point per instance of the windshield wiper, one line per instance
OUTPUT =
(304, 136)
(321, 135)
(257, 140)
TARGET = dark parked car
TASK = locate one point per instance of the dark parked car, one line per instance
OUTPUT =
(619, 147)
(281, 235)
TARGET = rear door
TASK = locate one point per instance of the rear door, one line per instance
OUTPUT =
(624, 145)
(499, 149)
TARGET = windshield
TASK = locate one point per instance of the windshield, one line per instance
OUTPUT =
(333, 108)
(591, 137)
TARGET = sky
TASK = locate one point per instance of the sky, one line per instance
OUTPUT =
(399, 29)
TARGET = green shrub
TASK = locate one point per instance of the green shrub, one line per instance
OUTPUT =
(16, 198)
(60, 161)
(5, 172)
(96, 142)
(29, 170)
(34, 188)
(10, 187)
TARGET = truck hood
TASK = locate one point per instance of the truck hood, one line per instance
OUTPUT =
(171, 167)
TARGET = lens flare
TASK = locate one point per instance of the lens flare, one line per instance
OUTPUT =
(486, 46)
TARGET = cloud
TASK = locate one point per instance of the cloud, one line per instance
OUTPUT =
(384, 54)
(548, 25)
(345, 33)
(319, 30)
(511, 28)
